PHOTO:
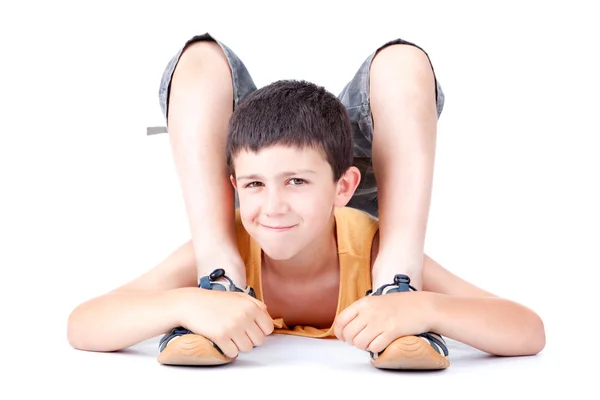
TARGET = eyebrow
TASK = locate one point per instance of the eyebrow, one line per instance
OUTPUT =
(280, 175)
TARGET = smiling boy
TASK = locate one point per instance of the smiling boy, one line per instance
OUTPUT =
(308, 259)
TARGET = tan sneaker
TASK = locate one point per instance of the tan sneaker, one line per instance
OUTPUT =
(183, 347)
(425, 351)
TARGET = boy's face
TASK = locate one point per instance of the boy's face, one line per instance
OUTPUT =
(286, 196)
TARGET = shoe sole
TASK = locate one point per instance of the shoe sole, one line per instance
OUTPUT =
(192, 350)
(410, 353)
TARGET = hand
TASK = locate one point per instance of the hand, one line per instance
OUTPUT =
(236, 322)
(373, 322)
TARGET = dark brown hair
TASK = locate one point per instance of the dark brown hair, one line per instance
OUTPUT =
(296, 114)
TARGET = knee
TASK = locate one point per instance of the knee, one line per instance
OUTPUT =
(402, 61)
(203, 52)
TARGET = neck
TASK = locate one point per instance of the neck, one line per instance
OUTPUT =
(312, 263)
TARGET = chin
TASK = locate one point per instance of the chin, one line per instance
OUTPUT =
(278, 254)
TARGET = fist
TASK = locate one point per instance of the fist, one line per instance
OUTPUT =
(236, 322)
(373, 322)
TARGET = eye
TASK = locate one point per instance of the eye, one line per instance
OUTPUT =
(253, 184)
(297, 181)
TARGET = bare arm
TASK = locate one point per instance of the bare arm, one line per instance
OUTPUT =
(164, 298)
(136, 311)
(115, 321)
(449, 306)
(492, 324)
(471, 315)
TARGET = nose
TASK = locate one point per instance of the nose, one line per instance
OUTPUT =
(275, 202)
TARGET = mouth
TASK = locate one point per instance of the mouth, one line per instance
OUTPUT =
(278, 228)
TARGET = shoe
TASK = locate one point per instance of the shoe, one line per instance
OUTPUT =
(425, 351)
(183, 347)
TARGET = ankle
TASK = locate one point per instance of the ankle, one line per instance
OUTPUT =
(234, 268)
(220, 276)
(399, 281)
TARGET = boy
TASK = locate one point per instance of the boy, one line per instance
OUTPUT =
(393, 102)
(308, 261)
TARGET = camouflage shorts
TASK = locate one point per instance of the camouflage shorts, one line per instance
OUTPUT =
(355, 96)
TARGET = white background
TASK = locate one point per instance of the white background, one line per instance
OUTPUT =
(89, 201)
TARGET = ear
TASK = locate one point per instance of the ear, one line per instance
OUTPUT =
(346, 186)
(233, 181)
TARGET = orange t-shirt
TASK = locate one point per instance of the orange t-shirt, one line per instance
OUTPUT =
(355, 232)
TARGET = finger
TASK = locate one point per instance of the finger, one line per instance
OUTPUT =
(265, 323)
(380, 343)
(227, 347)
(258, 302)
(242, 341)
(352, 329)
(365, 337)
(343, 319)
(256, 335)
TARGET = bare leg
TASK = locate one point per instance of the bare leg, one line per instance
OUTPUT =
(403, 105)
(200, 106)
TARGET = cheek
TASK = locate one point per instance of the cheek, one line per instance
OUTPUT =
(316, 204)
(249, 206)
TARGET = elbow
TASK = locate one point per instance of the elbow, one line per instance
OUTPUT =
(524, 335)
(75, 333)
(87, 331)
(532, 339)
(81, 334)
(537, 336)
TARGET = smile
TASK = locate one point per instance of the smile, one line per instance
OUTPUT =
(278, 228)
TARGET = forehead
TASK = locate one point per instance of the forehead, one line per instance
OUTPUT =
(276, 158)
